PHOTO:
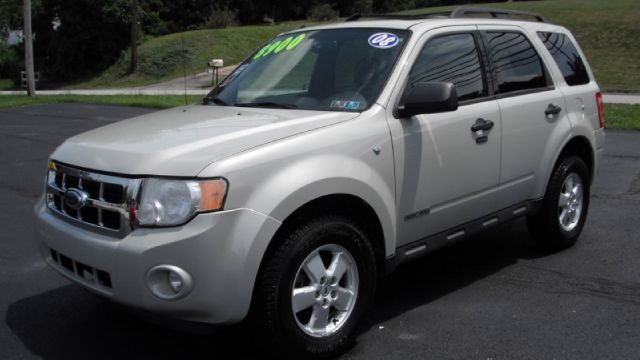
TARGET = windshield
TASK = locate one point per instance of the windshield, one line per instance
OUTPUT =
(332, 70)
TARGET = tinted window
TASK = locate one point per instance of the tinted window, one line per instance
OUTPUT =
(567, 57)
(516, 64)
(451, 58)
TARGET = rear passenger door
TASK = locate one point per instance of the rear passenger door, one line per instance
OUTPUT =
(533, 112)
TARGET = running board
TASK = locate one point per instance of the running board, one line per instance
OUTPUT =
(434, 242)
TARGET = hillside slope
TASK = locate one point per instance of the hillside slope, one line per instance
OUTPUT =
(161, 57)
(608, 32)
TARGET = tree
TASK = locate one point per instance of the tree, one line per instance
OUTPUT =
(134, 36)
(77, 40)
(28, 49)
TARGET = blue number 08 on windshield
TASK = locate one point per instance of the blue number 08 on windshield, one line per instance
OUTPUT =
(383, 40)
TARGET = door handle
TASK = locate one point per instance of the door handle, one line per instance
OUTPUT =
(552, 110)
(482, 125)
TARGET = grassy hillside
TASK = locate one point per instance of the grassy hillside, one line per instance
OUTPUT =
(607, 30)
(161, 57)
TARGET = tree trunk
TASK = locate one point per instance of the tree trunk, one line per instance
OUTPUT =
(28, 49)
(134, 36)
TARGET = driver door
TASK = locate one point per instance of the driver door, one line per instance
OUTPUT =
(446, 173)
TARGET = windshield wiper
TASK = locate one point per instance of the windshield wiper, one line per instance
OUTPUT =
(270, 104)
(216, 100)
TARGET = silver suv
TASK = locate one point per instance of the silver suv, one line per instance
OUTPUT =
(328, 157)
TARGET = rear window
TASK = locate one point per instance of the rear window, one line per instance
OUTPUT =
(566, 55)
(516, 64)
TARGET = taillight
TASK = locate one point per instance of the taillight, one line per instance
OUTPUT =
(600, 105)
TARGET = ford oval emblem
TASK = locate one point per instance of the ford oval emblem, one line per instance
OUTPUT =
(75, 198)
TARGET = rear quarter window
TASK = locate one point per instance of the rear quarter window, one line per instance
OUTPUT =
(566, 56)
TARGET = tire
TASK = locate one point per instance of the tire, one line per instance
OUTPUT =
(565, 206)
(301, 267)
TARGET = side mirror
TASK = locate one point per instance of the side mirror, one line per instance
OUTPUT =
(428, 98)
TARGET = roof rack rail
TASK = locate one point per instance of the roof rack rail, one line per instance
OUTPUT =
(463, 11)
(459, 12)
(358, 16)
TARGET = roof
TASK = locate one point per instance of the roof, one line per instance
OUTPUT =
(422, 25)
(459, 16)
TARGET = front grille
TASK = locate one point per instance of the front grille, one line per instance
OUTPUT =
(84, 273)
(106, 205)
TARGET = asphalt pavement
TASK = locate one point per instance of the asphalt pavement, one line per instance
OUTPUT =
(495, 296)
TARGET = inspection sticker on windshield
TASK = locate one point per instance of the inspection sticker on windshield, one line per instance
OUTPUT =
(383, 40)
(347, 105)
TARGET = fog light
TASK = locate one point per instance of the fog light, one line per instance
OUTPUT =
(175, 281)
(169, 282)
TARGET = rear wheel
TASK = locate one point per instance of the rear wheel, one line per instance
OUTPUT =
(314, 289)
(565, 206)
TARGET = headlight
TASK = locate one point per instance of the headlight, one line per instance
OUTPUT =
(174, 202)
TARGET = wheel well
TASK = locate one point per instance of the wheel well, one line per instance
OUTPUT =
(346, 205)
(581, 147)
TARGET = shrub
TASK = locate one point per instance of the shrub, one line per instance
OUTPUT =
(323, 12)
(221, 18)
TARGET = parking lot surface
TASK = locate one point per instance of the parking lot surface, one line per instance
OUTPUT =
(495, 296)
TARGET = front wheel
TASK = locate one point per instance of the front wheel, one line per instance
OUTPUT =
(314, 289)
(565, 206)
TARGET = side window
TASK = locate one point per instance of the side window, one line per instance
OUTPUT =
(566, 55)
(451, 58)
(516, 64)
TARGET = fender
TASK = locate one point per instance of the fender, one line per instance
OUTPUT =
(280, 177)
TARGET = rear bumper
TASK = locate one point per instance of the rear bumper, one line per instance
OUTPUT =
(600, 138)
(221, 251)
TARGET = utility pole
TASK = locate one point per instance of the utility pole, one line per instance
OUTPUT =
(134, 36)
(28, 49)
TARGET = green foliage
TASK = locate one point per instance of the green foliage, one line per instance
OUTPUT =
(148, 101)
(185, 14)
(83, 42)
(10, 63)
(6, 84)
(11, 14)
(323, 12)
(148, 14)
(348, 8)
(8, 54)
(222, 18)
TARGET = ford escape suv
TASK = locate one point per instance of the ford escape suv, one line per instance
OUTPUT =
(328, 157)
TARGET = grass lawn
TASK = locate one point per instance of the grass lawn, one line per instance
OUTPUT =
(608, 31)
(149, 101)
(618, 116)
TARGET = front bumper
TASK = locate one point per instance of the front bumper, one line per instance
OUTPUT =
(221, 251)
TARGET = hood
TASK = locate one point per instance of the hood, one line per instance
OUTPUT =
(183, 140)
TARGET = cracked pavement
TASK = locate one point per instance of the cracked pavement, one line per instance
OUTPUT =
(495, 296)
